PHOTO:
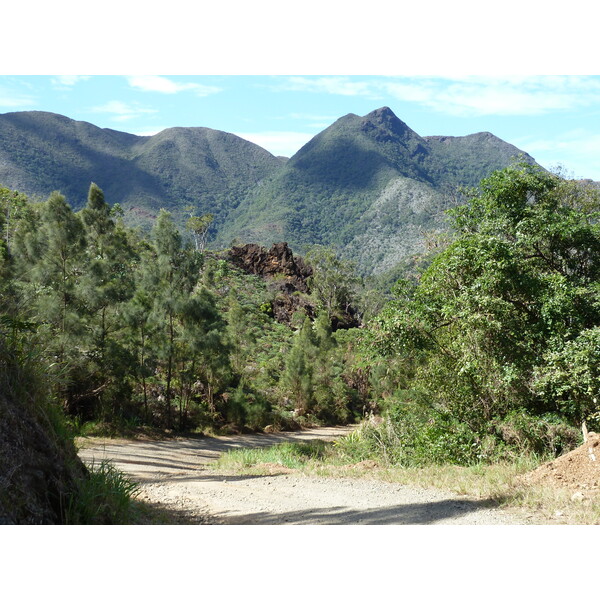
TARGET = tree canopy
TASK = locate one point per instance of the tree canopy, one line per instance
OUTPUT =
(506, 318)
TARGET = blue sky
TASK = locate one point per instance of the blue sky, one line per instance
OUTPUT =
(554, 118)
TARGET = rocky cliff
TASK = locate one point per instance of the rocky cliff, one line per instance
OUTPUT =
(286, 274)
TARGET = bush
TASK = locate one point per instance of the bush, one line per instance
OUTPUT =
(246, 410)
(414, 433)
(546, 435)
(427, 436)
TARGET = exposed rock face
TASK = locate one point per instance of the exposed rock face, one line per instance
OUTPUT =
(278, 262)
(286, 304)
(287, 276)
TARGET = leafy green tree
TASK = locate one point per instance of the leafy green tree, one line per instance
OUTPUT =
(569, 377)
(510, 296)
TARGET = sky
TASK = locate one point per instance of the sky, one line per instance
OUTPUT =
(279, 73)
(556, 119)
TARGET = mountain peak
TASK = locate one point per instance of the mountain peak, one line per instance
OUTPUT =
(385, 124)
(385, 112)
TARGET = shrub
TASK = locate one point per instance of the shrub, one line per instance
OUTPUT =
(546, 435)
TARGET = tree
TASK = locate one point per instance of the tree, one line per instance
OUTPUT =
(333, 281)
(188, 330)
(514, 293)
(12, 206)
(48, 248)
(56, 270)
(106, 283)
(167, 294)
(298, 376)
(199, 227)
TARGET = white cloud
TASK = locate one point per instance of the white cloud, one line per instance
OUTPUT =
(122, 111)
(68, 80)
(464, 96)
(11, 100)
(342, 86)
(279, 143)
(481, 96)
(164, 85)
(510, 96)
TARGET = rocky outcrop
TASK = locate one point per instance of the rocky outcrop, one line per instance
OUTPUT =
(287, 276)
(279, 262)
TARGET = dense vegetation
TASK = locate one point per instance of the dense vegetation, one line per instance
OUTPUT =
(154, 331)
(489, 349)
(368, 186)
(42, 480)
(500, 334)
(213, 170)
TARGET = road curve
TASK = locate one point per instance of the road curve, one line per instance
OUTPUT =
(175, 474)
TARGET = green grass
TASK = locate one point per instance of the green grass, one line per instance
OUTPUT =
(106, 497)
(290, 455)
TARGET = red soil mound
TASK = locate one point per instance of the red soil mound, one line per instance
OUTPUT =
(578, 470)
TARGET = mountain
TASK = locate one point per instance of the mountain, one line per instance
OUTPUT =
(41, 152)
(369, 186)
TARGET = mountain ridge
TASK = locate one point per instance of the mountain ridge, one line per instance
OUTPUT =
(41, 152)
(362, 176)
(369, 186)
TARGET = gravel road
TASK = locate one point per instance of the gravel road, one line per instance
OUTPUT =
(174, 474)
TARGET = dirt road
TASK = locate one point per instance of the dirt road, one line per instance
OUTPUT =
(174, 474)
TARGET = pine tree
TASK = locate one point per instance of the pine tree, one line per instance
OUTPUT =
(141, 330)
(106, 284)
(56, 271)
(298, 376)
(48, 247)
(168, 265)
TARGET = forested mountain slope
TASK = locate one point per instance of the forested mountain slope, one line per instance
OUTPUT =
(41, 152)
(369, 186)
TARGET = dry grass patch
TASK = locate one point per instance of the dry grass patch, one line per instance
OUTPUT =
(504, 483)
